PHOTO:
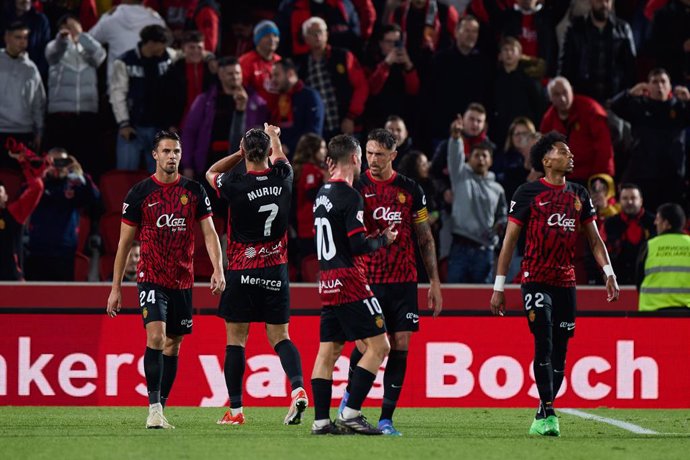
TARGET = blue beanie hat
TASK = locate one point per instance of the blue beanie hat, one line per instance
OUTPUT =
(264, 28)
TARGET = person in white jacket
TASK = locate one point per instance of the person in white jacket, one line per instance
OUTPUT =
(22, 96)
(119, 28)
(72, 121)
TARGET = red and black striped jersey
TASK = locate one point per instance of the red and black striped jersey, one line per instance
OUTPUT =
(166, 215)
(259, 205)
(401, 201)
(552, 215)
(339, 215)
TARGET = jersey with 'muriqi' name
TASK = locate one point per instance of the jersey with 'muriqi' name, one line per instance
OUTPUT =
(553, 215)
(166, 215)
(339, 214)
(398, 200)
(259, 205)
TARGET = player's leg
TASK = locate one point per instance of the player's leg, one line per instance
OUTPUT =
(233, 369)
(171, 352)
(322, 385)
(178, 324)
(355, 356)
(153, 303)
(290, 359)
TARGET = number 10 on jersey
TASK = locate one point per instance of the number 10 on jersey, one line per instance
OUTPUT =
(325, 246)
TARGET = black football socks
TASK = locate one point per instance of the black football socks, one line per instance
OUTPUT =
(234, 373)
(169, 373)
(322, 389)
(291, 362)
(354, 359)
(362, 380)
(393, 379)
(153, 369)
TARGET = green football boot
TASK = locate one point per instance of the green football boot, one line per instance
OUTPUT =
(538, 427)
(551, 427)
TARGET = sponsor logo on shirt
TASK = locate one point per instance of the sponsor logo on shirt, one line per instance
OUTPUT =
(176, 224)
(385, 213)
(271, 285)
(560, 220)
(330, 286)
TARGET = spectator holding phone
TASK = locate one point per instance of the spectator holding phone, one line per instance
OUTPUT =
(54, 228)
(393, 78)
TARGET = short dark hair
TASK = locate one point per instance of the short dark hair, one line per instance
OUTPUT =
(163, 134)
(467, 18)
(510, 41)
(287, 64)
(17, 25)
(388, 28)
(673, 214)
(191, 36)
(484, 145)
(657, 71)
(383, 137)
(227, 61)
(397, 118)
(341, 147)
(629, 186)
(542, 147)
(256, 144)
(2, 184)
(155, 33)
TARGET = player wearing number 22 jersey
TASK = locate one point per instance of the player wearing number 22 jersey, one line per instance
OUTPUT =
(551, 211)
(258, 288)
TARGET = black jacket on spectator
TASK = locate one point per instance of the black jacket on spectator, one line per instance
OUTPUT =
(176, 83)
(456, 80)
(515, 95)
(599, 75)
(670, 29)
(658, 157)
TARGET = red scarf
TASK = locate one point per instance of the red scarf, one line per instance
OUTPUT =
(634, 233)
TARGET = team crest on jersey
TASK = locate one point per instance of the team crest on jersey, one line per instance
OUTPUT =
(184, 199)
(145, 312)
(401, 198)
(379, 321)
(578, 204)
(532, 316)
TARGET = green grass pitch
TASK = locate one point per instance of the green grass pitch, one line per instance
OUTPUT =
(429, 434)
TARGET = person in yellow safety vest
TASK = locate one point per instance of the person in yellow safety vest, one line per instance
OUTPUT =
(663, 270)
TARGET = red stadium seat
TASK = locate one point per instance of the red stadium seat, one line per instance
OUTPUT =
(83, 232)
(114, 186)
(12, 180)
(110, 231)
(81, 267)
(105, 267)
(310, 269)
(443, 269)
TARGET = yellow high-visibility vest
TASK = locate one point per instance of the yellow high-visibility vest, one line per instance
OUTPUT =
(667, 273)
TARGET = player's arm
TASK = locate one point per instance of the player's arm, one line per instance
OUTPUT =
(602, 257)
(276, 147)
(214, 252)
(360, 244)
(427, 248)
(223, 165)
(498, 301)
(127, 233)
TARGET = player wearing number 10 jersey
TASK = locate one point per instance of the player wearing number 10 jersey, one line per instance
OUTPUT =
(350, 310)
(551, 211)
(257, 289)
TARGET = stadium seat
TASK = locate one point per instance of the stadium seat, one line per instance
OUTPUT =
(114, 186)
(110, 231)
(12, 180)
(81, 267)
(83, 232)
(310, 269)
(443, 269)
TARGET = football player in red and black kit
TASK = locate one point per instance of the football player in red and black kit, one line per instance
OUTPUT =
(350, 310)
(164, 208)
(258, 287)
(393, 199)
(551, 211)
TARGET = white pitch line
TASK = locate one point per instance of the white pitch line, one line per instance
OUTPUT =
(611, 421)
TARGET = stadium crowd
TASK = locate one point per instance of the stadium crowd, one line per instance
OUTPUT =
(86, 84)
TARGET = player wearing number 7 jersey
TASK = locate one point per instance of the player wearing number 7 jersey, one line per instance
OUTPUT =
(257, 275)
(350, 310)
(551, 212)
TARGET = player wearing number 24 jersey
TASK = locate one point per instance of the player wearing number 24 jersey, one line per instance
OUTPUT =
(551, 211)
(165, 208)
(258, 288)
(350, 310)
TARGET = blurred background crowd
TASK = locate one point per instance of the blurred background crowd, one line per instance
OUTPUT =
(85, 85)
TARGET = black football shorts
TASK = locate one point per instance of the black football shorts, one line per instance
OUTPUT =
(549, 307)
(352, 321)
(399, 305)
(172, 306)
(258, 295)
